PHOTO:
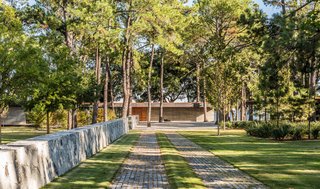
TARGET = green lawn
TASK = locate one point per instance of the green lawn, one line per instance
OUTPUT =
(180, 174)
(290, 164)
(98, 171)
(11, 134)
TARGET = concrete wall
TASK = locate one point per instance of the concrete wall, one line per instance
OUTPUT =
(32, 163)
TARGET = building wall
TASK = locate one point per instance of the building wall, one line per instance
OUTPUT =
(15, 116)
(173, 114)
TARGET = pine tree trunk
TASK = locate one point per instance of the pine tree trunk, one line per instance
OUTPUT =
(125, 88)
(224, 116)
(125, 67)
(1, 128)
(105, 92)
(97, 93)
(243, 103)
(111, 90)
(265, 108)
(74, 118)
(48, 123)
(218, 115)
(70, 119)
(161, 119)
(283, 7)
(205, 119)
(149, 87)
(198, 82)
(237, 111)
(129, 73)
(251, 112)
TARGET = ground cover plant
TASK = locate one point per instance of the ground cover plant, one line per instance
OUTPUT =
(278, 164)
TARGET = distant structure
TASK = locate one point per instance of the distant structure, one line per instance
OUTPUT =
(15, 117)
(173, 111)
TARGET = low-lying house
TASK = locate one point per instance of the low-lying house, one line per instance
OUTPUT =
(14, 117)
(177, 111)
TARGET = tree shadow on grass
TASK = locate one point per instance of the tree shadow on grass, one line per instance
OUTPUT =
(292, 164)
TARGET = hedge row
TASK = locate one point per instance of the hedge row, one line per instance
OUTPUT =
(285, 130)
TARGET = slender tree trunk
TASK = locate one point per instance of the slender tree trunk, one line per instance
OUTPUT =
(224, 117)
(74, 118)
(205, 119)
(243, 103)
(198, 82)
(283, 6)
(251, 112)
(278, 114)
(129, 73)
(265, 108)
(149, 87)
(111, 90)
(97, 93)
(218, 114)
(125, 65)
(48, 123)
(161, 119)
(105, 92)
(237, 111)
(69, 44)
(1, 127)
(70, 119)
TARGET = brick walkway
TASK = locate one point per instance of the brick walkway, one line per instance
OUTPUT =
(143, 168)
(214, 172)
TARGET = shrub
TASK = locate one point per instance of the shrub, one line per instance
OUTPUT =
(263, 130)
(37, 115)
(243, 124)
(228, 124)
(315, 132)
(280, 132)
(298, 132)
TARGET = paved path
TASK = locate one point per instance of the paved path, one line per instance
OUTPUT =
(214, 172)
(143, 168)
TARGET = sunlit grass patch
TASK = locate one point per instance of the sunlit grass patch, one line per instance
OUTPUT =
(180, 174)
(290, 164)
(11, 134)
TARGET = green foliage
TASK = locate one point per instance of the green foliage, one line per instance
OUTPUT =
(315, 129)
(298, 132)
(263, 130)
(37, 115)
(282, 131)
(285, 130)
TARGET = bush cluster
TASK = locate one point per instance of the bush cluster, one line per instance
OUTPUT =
(238, 124)
(285, 130)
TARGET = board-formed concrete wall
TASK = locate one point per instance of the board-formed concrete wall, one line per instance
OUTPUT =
(32, 163)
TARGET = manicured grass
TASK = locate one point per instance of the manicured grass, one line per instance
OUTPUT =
(98, 171)
(11, 134)
(290, 164)
(180, 174)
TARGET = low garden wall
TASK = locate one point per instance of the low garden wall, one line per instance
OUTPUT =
(32, 163)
